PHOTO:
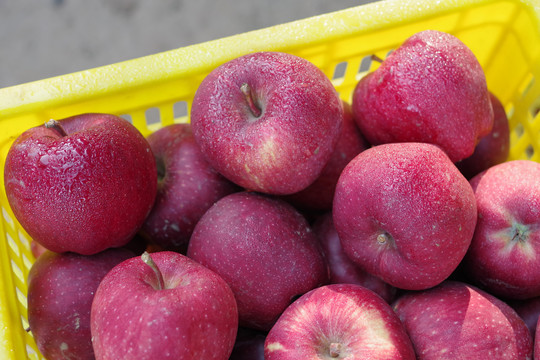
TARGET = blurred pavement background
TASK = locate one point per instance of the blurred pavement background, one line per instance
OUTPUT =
(41, 39)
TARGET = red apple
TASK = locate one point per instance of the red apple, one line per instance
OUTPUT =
(493, 148)
(342, 269)
(319, 195)
(268, 121)
(187, 187)
(340, 321)
(430, 89)
(163, 306)
(82, 184)
(502, 258)
(264, 249)
(61, 288)
(458, 321)
(405, 214)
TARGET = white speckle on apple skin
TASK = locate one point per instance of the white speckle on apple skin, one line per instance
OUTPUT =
(275, 346)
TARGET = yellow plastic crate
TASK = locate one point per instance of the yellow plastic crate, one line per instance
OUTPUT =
(157, 90)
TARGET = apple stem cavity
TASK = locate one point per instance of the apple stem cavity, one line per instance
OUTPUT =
(55, 125)
(147, 259)
(246, 90)
(335, 350)
(161, 169)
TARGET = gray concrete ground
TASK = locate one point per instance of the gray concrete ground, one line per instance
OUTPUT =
(44, 38)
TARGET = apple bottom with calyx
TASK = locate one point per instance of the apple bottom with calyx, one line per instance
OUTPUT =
(163, 306)
(503, 256)
(61, 288)
(455, 320)
(339, 321)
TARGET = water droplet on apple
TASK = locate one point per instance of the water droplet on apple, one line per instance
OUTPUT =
(44, 159)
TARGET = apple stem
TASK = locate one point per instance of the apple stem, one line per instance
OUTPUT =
(147, 259)
(55, 125)
(376, 58)
(335, 349)
(382, 238)
(246, 90)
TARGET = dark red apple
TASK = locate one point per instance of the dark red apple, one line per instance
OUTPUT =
(163, 306)
(342, 269)
(249, 345)
(264, 249)
(405, 213)
(187, 187)
(493, 148)
(82, 184)
(529, 311)
(458, 321)
(61, 288)
(536, 351)
(430, 89)
(503, 256)
(268, 121)
(319, 195)
(339, 321)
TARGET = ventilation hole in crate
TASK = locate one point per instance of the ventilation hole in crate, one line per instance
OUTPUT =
(21, 297)
(529, 151)
(518, 130)
(365, 64)
(26, 262)
(510, 110)
(180, 109)
(152, 116)
(17, 271)
(7, 218)
(534, 109)
(13, 245)
(526, 85)
(339, 70)
(23, 240)
(26, 326)
(127, 117)
(31, 352)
